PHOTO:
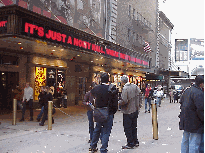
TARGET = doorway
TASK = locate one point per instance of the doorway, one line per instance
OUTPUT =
(8, 81)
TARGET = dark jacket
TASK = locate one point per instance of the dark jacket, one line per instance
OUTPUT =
(100, 92)
(46, 98)
(88, 98)
(41, 99)
(192, 110)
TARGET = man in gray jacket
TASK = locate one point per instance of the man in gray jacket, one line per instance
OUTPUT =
(130, 105)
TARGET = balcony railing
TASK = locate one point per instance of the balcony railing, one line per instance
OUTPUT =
(139, 17)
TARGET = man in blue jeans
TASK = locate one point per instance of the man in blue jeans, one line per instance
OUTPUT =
(88, 98)
(192, 117)
(100, 92)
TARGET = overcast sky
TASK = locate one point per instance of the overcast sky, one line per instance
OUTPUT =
(187, 16)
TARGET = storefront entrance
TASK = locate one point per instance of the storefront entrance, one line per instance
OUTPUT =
(8, 81)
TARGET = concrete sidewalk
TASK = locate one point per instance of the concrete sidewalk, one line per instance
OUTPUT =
(70, 133)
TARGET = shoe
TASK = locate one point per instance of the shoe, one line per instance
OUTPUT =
(159, 105)
(93, 150)
(52, 121)
(31, 119)
(137, 145)
(148, 111)
(127, 147)
(38, 120)
(145, 112)
(21, 120)
(41, 124)
(89, 141)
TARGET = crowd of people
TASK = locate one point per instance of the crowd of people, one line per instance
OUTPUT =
(130, 102)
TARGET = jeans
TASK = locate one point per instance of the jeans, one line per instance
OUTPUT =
(30, 102)
(106, 129)
(159, 101)
(149, 101)
(91, 123)
(190, 142)
(130, 128)
(41, 113)
(201, 147)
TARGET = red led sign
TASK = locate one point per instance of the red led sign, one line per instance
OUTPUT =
(61, 37)
(3, 23)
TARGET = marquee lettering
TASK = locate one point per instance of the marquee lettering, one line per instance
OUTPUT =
(3, 23)
(57, 36)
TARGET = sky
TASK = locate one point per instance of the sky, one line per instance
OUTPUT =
(187, 16)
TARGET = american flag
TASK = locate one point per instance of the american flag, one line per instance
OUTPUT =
(147, 47)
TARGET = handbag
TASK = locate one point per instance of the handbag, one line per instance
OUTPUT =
(100, 114)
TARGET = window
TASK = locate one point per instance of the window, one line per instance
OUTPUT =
(129, 34)
(134, 37)
(129, 13)
(133, 13)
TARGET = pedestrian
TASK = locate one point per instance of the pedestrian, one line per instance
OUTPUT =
(130, 106)
(41, 101)
(102, 98)
(18, 96)
(47, 97)
(88, 98)
(171, 94)
(175, 93)
(148, 98)
(27, 99)
(159, 95)
(192, 117)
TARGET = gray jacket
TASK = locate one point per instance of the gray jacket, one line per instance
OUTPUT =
(131, 98)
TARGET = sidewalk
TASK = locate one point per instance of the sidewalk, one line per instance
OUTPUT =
(70, 134)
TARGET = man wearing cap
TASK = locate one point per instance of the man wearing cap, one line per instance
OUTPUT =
(192, 117)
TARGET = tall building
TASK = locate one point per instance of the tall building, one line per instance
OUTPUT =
(66, 44)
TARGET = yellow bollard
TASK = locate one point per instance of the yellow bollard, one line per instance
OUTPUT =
(154, 122)
(50, 107)
(14, 111)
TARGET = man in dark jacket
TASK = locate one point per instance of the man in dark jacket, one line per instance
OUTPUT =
(192, 117)
(102, 97)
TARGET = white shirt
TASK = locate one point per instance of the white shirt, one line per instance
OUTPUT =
(28, 93)
(159, 93)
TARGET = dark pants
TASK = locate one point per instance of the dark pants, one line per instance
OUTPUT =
(41, 113)
(106, 127)
(30, 102)
(91, 125)
(45, 114)
(130, 128)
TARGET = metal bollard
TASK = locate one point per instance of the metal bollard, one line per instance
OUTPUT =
(154, 122)
(14, 111)
(50, 107)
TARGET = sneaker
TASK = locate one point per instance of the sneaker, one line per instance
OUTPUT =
(148, 111)
(41, 124)
(145, 112)
(21, 120)
(137, 145)
(93, 150)
(127, 147)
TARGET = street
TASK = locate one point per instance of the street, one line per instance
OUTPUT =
(70, 134)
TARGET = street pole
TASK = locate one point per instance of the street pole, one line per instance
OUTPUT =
(50, 105)
(14, 111)
(154, 122)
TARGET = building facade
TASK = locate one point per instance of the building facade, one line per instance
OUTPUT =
(38, 49)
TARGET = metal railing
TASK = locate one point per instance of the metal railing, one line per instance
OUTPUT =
(139, 17)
